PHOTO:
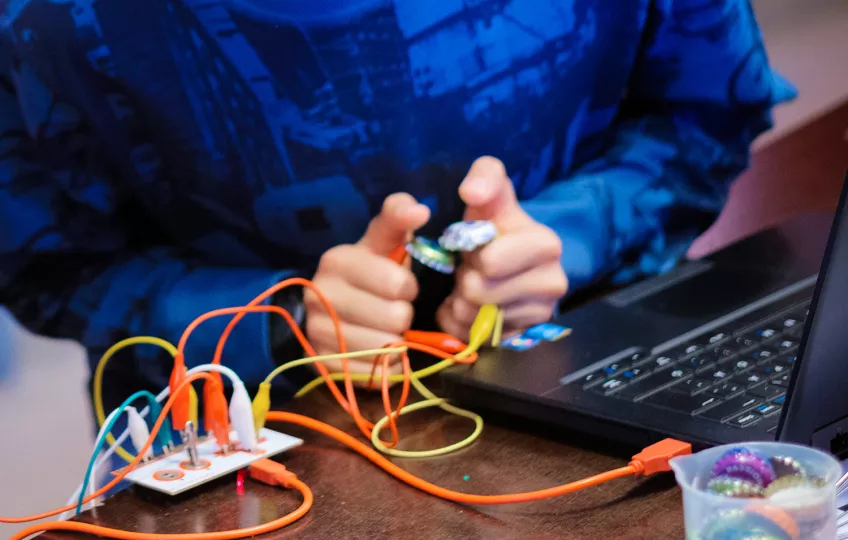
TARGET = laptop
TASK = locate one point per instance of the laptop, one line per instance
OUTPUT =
(750, 343)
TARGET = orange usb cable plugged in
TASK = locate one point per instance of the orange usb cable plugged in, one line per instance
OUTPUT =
(651, 460)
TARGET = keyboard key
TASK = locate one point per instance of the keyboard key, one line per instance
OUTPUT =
(795, 332)
(800, 314)
(749, 379)
(593, 379)
(738, 366)
(634, 374)
(727, 389)
(771, 369)
(767, 391)
(744, 420)
(718, 336)
(637, 358)
(684, 350)
(732, 407)
(747, 340)
(657, 362)
(682, 402)
(615, 368)
(723, 351)
(691, 386)
(782, 379)
(787, 359)
(718, 374)
(610, 385)
(786, 344)
(768, 408)
(699, 361)
(654, 382)
(781, 400)
(789, 321)
(767, 332)
(760, 354)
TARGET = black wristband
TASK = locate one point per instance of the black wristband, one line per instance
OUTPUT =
(284, 344)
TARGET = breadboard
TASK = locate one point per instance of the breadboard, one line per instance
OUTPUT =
(173, 474)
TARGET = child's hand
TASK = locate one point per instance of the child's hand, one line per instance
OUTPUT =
(371, 294)
(520, 270)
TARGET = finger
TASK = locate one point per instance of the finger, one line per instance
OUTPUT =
(371, 273)
(357, 338)
(360, 365)
(518, 317)
(400, 215)
(547, 281)
(462, 311)
(446, 321)
(361, 308)
(499, 259)
(488, 194)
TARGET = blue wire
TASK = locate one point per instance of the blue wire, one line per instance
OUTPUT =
(165, 436)
(141, 393)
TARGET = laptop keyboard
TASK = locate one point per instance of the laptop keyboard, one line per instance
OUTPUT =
(734, 376)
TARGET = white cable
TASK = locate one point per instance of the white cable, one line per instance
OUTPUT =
(139, 432)
(241, 413)
(75, 495)
(106, 457)
(203, 368)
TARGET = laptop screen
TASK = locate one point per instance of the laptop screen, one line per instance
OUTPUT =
(817, 413)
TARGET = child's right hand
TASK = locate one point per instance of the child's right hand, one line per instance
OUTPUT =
(371, 294)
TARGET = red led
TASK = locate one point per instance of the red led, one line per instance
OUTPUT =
(240, 482)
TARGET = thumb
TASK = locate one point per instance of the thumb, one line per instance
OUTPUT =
(400, 216)
(488, 194)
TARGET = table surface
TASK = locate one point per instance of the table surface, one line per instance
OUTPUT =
(356, 500)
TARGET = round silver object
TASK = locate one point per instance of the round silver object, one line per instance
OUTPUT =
(468, 235)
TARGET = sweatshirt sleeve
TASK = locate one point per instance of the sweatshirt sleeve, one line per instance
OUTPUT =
(700, 93)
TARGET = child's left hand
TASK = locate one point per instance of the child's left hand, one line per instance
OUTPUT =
(519, 271)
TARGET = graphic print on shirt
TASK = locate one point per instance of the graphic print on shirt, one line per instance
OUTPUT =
(375, 97)
(293, 116)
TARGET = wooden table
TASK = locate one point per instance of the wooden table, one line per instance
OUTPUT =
(355, 500)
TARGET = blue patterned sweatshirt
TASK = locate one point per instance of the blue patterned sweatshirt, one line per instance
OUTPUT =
(160, 158)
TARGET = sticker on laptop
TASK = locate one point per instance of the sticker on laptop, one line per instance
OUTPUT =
(547, 332)
(519, 343)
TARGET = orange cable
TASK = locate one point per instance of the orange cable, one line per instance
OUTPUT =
(350, 405)
(387, 404)
(432, 489)
(108, 532)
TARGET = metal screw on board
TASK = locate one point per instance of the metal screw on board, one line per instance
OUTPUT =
(190, 437)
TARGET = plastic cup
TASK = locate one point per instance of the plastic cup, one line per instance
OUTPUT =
(709, 516)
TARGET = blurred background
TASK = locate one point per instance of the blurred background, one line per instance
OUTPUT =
(43, 395)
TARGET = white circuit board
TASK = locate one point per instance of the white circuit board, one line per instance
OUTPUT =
(172, 474)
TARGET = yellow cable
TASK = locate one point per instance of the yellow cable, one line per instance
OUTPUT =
(97, 396)
(481, 330)
(364, 377)
(488, 322)
(497, 333)
(321, 358)
(261, 403)
(431, 401)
